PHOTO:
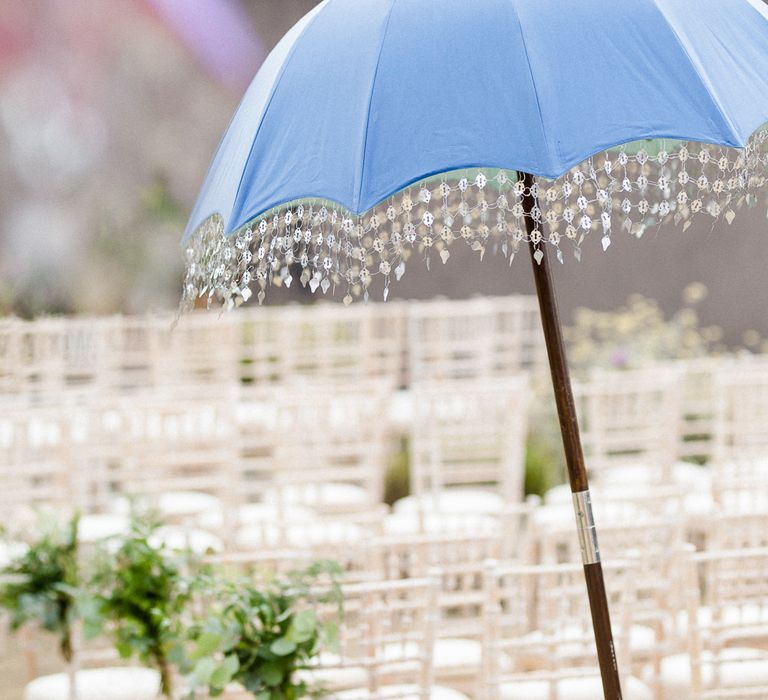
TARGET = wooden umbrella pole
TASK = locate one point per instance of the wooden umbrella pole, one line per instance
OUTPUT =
(574, 455)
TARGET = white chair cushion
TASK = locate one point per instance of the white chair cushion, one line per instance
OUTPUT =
(696, 477)
(699, 503)
(452, 653)
(172, 504)
(182, 538)
(744, 501)
(560, 515)
(747, 618)
(642, 640)
(92, 528)
(181, 503)
(739, 668)
(457, 500)
(98, 684)
(9, 551)
(330, 494)
(412, 523)
(559, 495)
(642, 476)
(258, 513)
(399, 692)
(331, 675)
(447, 653)
(312, 533)
(587, 688)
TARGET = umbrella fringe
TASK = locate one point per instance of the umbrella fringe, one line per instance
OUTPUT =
(319, 242)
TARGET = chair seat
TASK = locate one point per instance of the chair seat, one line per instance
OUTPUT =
(699, 503)
(559, 515)
(738, 668)
(398, 692)
(744, 500)
(447, 654)
(257, 514)
(304, 534)
(98, 684)
(330, 675)
(173, 504)
(92, 528)
(586, 688)
(181, 503)
(571, 643)
(750, 619)
(450, 656)
(10, 551)
(637, 475)
(182, 538)
(327, 495)
(412, 523)
(455, 500)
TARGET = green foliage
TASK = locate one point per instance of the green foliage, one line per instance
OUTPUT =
(543, 460)
(397, 480)
(143, 594)
(42, 584)
(256, 635)
(260, 636)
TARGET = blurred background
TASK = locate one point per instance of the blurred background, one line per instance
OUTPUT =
(111, 111)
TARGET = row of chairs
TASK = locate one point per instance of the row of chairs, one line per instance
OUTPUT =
(59, 360)
(700, 411)
(314, 446)
(298, 437)
(52, 358)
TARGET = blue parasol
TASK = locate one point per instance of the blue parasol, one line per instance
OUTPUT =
(380, 131)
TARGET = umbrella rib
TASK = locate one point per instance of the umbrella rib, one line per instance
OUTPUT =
(318, 10)
(738, 141)
(550, 164)
(358, 194)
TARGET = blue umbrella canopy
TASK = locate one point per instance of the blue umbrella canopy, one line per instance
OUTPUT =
(384, 129)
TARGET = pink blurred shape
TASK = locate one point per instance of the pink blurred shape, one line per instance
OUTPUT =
(218, 33)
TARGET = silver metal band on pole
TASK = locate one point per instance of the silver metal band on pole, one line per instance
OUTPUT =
(585, 523)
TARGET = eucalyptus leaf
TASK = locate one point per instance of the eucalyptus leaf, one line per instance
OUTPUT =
(267, 632)
(272, 674)
(232, 664)
(303, 625)
(204, 670)
(282, 647)
(42, 584)
(206, 644)
(220, 677)
(143, 595)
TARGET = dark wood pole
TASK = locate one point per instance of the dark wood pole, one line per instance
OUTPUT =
(574, 455)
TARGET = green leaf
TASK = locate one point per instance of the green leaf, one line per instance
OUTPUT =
(282, 647)
(303, 626)
(272, 674)
(124, 648)
(204, 670)
(205, 645)
(232, 664)
(220, 677)
(330, 632)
